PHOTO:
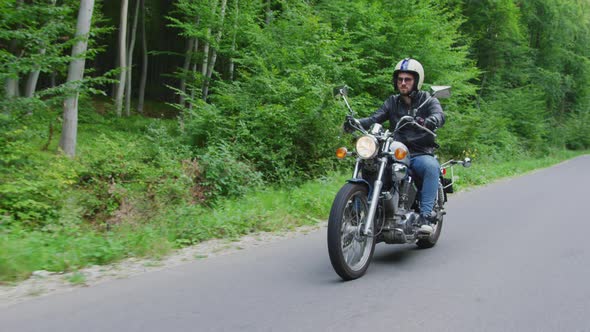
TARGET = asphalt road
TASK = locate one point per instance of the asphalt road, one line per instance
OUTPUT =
(513, 256)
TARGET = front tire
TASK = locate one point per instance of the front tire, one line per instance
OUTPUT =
(350, 252)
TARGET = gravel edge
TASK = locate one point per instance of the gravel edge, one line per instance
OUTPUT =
(44, 283)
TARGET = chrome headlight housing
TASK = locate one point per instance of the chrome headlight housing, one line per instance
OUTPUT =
(367, 147)
(400, 172)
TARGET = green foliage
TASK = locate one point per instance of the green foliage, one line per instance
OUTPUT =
(224, 175)
(77, 278)
(280, 111)
(573, 132)
(25, 199)
(265, 210)
(499, 42)
(520, 73)
(115, 170)
(486, 170)
(517, 113)
(23, 251)
(37, 37)
(287, 70)
(534, 57)
(558, 31)
(126, 168)
(32, 30)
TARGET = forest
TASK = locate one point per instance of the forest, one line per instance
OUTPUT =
(124, 123)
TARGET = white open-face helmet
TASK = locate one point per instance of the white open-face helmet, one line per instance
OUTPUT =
(409, 65)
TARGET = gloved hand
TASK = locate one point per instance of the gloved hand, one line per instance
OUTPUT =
(431, 122)
(348, 125)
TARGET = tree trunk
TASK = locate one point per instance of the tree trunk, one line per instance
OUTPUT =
(187, 63)
(11, 83)
(69, 132)
(233, 42)
(31, 86)
(206, 46)
(191, 50)
(194, 75)
(211, 64)
(268, 12)
(144, 66)
(11, 87)
(130, 61)
(122, 56)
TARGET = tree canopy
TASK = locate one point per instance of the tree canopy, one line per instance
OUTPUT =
(248, 82)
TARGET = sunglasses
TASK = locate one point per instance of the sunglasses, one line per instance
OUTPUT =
(405, 79)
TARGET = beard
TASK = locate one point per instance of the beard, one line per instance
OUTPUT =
(407, 93)
(409, 90)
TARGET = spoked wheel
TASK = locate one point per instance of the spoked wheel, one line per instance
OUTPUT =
(350, 252)
(430, 241)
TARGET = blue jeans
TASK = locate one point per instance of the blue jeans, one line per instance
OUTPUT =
(427, 168)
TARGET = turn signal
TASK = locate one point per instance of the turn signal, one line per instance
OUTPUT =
(341, 153)
(400, 153)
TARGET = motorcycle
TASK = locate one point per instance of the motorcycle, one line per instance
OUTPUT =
(380, 203)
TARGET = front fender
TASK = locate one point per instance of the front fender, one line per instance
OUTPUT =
(362, 181)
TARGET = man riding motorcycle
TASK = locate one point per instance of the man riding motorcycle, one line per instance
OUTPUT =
(407, 80)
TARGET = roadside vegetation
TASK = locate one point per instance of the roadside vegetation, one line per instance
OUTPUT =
(126, 200)
(226, 124)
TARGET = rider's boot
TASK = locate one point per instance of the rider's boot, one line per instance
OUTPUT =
(425, 222)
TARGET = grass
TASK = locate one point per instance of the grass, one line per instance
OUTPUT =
(98, 208)
(272, 210)
(269, 211)
(77, 278)
(482, 173)
(69, 249)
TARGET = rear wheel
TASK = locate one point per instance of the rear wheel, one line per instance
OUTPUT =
(430, 241)
(350, 252)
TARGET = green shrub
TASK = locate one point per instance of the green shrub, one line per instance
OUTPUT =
(224, 175)
(32, 182)
(574, 130)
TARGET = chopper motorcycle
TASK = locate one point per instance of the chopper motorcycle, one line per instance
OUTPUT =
(380, 203)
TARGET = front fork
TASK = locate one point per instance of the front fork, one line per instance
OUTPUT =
(374, 198)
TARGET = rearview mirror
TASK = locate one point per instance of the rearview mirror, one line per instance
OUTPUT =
(341, 91)
(467, 162)
(441, 91)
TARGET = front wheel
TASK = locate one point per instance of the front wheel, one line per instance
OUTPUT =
(350, 251)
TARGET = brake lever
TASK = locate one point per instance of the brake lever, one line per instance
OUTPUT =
(357, 125)
(424, 128)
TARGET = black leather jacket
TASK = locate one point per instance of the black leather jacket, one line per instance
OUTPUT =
(394, 108)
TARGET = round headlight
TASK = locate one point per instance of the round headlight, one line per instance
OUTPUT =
(366, 147)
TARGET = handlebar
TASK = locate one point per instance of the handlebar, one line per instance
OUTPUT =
(356, 124)
(404, 121)
(465, 163)
(408, 120)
